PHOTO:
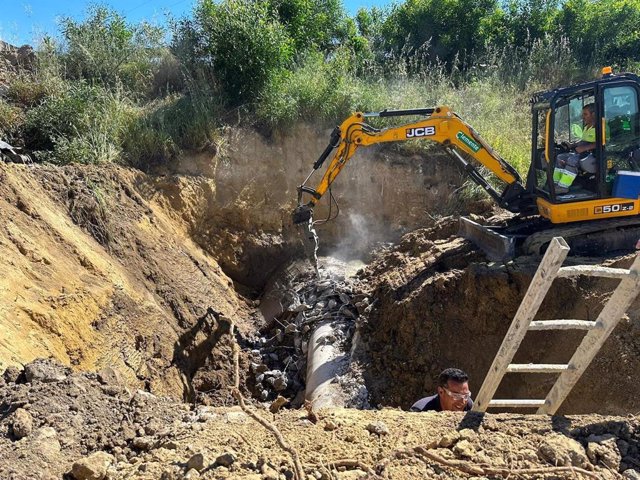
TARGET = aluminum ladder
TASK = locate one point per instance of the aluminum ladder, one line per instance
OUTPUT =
(597, 331)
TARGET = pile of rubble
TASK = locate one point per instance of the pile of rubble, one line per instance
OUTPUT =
(279, 358)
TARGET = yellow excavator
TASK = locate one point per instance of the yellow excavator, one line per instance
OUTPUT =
(591, 198)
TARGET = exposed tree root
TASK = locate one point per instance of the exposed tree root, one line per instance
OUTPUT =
(299, 471)
(474, 469)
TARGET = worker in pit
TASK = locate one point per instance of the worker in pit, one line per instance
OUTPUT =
(453, 394)
(568, 164)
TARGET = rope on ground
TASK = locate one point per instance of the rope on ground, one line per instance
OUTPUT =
(299, 471)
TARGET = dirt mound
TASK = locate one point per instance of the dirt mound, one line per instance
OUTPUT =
(440, 304)
(95, 275)
(56, 422)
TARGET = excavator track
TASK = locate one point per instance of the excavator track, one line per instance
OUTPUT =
(594, 238)
(531, 236)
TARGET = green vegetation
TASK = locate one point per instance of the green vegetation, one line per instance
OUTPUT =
(110, 91)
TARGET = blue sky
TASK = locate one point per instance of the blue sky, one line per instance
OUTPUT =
(26, 21)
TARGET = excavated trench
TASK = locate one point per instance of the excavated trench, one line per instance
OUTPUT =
(173, 260)
(430, 302)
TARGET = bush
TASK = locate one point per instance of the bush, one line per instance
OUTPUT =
(11, 121)
(315, 90)
(179, 121)
(107, 51)
(318, 25)
(450, 27)
(604, 32)
(240, 43)
(82, 124)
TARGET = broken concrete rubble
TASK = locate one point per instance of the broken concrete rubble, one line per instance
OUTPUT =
(280, 355)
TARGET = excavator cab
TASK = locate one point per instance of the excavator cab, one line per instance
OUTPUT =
(580, 169)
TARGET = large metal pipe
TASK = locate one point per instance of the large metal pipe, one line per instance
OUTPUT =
(325, 361)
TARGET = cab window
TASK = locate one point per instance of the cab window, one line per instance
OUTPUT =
(623, 128)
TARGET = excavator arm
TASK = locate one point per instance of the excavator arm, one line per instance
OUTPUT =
(440, 125)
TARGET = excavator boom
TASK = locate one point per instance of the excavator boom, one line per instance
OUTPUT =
(439, 125)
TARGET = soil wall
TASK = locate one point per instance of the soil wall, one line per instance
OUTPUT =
(440, 304)
(250, 186)
(94, 275)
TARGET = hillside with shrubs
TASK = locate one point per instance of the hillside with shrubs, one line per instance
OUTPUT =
(106, 90)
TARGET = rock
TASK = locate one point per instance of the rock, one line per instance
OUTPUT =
(173, 472)
(196, 462)
(464, 449)
(22, 423)
(109, 376)
(468, 434)
(226, 459)
(344, 298)
(280, 384)
(379, 428)
(351, 475)
(560, 450)
(193, 473)
(604, 449)
(44, 442)
(262, 368)
(111, 390)
(144, 443)
(128, 433)
(290, 328)
(268, 472)
(449, 439)
(330, 425)
(93, 467)
(46, 371)
(141, 397)
(11, 374)
(623, 447)
(277, 404)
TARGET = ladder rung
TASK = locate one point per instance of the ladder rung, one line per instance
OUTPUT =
(516, 403)
(561, 325)
(536, 368)
(594, 271)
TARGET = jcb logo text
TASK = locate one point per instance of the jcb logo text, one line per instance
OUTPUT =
(421, 132)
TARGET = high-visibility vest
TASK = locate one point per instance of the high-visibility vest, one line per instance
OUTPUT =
(589, 134)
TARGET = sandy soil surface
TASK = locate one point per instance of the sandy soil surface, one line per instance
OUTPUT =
(142, 288)
(90, 426)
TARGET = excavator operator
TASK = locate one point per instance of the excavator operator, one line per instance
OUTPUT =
(569, 164)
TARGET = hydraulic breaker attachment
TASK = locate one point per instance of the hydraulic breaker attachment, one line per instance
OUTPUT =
(302, 214)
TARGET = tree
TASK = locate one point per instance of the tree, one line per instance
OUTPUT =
(104, 49)
(449, 27)
(602, 31)
(518, 23)
(239, 42)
